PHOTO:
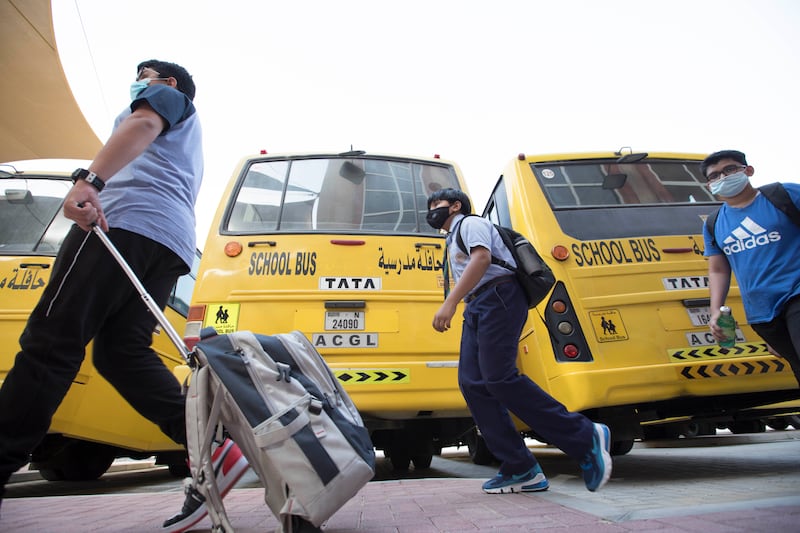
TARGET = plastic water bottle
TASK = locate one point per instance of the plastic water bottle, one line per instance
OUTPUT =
(728, 325)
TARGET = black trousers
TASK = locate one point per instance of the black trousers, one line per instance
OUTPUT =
(89, 297)
(783, 334)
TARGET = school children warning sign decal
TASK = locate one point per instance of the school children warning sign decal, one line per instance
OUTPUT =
(222, 316)
(607, 325)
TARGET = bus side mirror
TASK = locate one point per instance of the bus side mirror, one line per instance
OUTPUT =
(19, 196)
(351, 171)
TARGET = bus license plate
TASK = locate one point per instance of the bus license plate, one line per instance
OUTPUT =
(350, 320)
(700, 316)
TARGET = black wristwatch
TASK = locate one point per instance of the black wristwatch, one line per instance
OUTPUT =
(88, 177)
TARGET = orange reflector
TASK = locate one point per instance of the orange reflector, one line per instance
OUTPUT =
(233, 248)
(560, 252)
(196, 313)
(558, 306)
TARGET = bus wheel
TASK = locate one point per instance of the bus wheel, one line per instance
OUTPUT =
(422, 453)
(778, 423)
(478, 451)
(655, 432)
(51, 474)
(621, 447)
(399, 456)
(422, 462)
(79, 461)
(179, 470)
(747, 426)
(696, 429)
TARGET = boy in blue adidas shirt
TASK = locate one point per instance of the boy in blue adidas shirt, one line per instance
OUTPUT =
(761, 245)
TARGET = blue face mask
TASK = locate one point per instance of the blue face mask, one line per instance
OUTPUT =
(730, 185)
(140, 85)
(137, 87)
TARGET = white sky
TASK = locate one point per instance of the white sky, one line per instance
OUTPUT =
(476, 82)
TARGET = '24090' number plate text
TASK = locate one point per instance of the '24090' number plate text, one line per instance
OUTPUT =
(349, 320)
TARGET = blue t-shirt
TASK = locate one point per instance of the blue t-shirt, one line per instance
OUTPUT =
(477, 231)
(763, 248)
(154, 195)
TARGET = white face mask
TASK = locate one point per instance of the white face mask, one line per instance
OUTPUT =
(730, 185)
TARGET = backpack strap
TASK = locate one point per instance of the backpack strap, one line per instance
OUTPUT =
(776, 193)
(459, 240)
(495, 260)
(711, 222)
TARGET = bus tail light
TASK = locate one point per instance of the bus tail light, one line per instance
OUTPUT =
(566, 335)
(571, 351)
(194, 323)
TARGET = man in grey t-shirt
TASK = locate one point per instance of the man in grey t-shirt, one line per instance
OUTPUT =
(141, 189)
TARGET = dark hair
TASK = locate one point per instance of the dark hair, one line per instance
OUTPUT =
(716, 157)
(452, 195)
(171, 70)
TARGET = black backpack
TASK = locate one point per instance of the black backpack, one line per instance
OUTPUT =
(777, 195)
(532, 272)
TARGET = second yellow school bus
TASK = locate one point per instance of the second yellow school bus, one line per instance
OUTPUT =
(623, 336)
(336, 245)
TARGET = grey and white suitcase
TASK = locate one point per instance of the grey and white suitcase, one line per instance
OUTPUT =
(297, 427)
(282, 405)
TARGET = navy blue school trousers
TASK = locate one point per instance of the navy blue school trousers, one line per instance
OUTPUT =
(493, 386)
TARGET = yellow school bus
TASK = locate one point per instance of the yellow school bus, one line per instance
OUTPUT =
(623, 336)
(337, 247)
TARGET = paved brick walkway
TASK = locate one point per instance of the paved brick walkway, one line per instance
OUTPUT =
(406, 506)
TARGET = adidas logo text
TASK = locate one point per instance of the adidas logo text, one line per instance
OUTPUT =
(748, 236)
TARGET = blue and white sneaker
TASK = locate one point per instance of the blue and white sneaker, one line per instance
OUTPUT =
(531, 481)
(596, 465)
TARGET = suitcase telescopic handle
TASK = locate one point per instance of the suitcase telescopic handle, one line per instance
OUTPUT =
(146, 298)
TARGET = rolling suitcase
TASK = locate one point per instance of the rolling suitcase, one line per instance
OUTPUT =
(280, 402)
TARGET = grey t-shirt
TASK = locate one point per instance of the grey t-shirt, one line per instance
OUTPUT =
(155, 194)
(477, 231)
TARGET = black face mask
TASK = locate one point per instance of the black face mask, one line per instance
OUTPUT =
(437, 217)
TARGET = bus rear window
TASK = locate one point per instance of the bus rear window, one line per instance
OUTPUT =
(606, 184)
(343, 195)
